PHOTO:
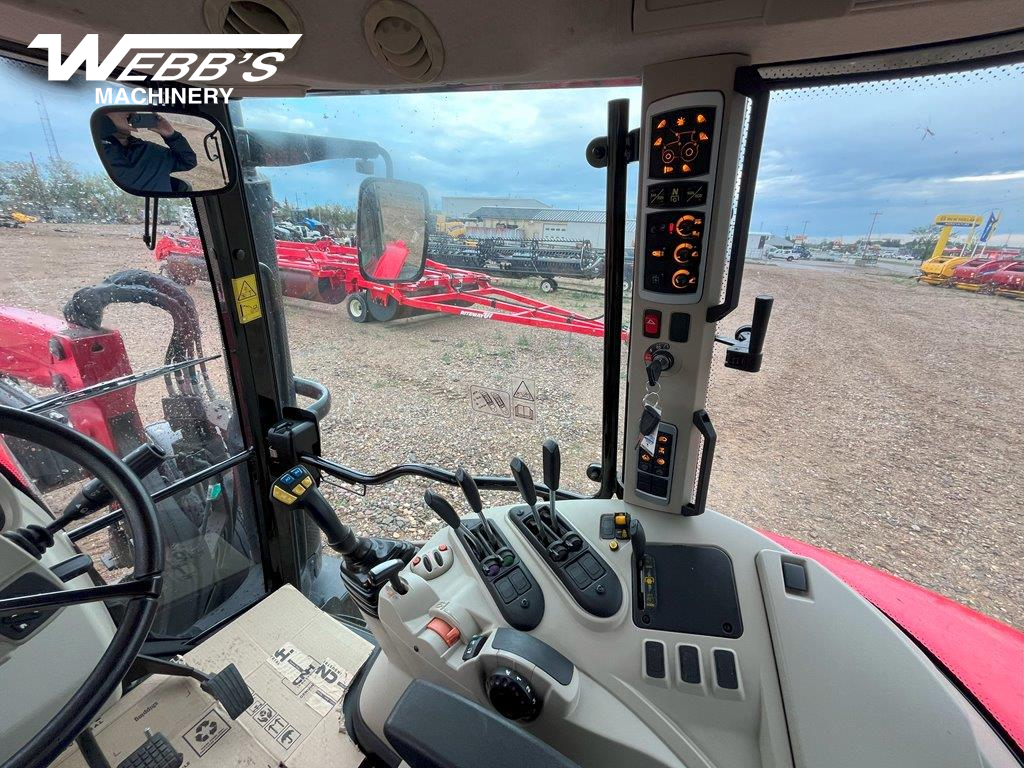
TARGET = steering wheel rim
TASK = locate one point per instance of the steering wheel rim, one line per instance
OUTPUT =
(140, 610)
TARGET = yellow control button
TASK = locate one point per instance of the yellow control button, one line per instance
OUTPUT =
(307, 481)
(620, 519)
(613, 545)
(282, 495)
(298, 490)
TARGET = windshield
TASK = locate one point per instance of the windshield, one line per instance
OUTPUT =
(499, 345)
(882, 421)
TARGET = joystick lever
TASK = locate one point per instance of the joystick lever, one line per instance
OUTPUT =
(388, 571)
(439, 504)
(524, 482)
(484, 533)
(295, 489)
(570, 540)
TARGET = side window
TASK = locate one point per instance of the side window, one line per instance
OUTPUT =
(885, 424)
(97, 334)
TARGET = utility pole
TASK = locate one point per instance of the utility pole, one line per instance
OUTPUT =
(874, 218)
(44, 119)
(803, 233)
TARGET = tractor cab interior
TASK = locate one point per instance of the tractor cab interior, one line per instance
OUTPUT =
(184, 520)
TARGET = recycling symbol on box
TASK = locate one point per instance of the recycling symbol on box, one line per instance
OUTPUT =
(205, 730)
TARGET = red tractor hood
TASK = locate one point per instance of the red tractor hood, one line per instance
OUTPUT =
(985, 655)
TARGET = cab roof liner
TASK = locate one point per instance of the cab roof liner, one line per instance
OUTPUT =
(482, 44)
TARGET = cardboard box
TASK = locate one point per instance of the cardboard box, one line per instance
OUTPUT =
(298, 663)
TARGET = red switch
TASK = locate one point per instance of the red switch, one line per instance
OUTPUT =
(652, 323)
(442, 548)
(448, 633)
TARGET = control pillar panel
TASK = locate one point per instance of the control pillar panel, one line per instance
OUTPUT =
(679, 182)
(690, 135)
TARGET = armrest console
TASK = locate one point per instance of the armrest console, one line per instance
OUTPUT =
(431, 727)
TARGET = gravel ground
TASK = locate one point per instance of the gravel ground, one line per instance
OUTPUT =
(881, 425)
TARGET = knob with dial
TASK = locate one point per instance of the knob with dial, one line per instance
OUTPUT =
(512, 695)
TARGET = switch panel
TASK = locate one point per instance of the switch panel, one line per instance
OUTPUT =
(682, 146)
(654, 470)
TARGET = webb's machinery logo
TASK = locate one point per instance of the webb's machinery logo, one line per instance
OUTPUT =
(167, 58)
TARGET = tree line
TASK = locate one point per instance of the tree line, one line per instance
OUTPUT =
(60, 191)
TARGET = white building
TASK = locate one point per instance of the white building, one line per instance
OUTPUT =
(551, 223)
(461, 207)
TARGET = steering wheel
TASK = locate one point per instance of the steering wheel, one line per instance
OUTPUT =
(141, 590)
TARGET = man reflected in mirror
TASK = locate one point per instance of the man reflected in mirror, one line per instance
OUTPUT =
(145, 166)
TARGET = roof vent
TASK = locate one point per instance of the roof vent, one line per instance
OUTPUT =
(403, 41)
(251, 17)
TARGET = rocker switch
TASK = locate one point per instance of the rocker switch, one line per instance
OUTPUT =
(444, 630)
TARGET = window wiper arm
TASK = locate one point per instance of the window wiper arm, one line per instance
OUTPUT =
(113, 385)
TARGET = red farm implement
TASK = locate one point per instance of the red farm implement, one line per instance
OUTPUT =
(326, 272)
(974, 274)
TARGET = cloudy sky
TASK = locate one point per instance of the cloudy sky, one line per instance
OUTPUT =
(831, 157)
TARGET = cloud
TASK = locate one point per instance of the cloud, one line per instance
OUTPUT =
(998, 176)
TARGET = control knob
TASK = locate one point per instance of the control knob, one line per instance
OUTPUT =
(512, 695)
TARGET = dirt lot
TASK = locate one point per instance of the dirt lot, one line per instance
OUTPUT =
(883, 425)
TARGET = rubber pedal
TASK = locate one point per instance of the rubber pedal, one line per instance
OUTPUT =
(156, 752)
(228, 687)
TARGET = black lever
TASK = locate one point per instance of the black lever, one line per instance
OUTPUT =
(295, 490)
(94, 495)
(524, 482)
(570, 541)
(639, 541)
(504, 555)
(472, 494)
(442, 508)
(388, 571)
(745, 348)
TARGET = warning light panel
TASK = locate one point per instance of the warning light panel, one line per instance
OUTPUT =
(680, 143)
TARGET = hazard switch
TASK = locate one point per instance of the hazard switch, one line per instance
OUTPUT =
(652, 323)
(448, 633)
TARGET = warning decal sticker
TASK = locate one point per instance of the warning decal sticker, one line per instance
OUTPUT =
(320, 684)
(247, 300)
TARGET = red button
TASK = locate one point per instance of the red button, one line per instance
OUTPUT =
(442, 548)
(652, 323)
(416, 560)
(448, 633)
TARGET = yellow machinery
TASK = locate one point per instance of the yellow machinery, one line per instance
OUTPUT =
(23, 218)
(450, 228)
(938, 268)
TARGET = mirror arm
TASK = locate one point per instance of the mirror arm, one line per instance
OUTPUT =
(149, 229)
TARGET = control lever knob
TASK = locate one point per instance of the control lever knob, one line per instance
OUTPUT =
(388, 571)
(524, 481)
(469, 490)
(295, 490)
(442, 508)
(512, 695)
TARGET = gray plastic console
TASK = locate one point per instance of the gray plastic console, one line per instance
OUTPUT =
(431, 727)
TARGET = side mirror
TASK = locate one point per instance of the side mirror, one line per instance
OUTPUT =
(391, 227)
(163, 153)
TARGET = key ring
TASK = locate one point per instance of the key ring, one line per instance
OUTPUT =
(652, 397)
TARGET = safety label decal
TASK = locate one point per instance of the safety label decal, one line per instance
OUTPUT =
(320, 684)
(247, 299)
(524, 404)
(492, 402)
(271, 722)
